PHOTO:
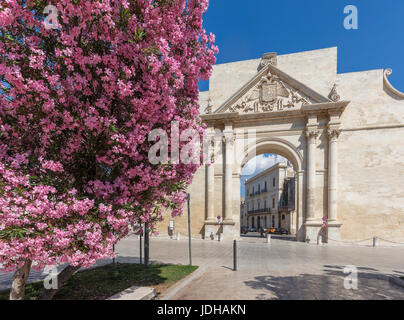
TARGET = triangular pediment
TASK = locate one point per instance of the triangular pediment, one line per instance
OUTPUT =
(271, 90)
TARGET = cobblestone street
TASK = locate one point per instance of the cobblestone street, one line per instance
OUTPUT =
(280, 270)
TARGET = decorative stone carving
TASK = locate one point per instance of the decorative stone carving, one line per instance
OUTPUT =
(268, 58)
(212, 142)
(208, 109)
(312, 134)
(333, 134)
(334, 96)
(212, 150)
(270, 94)
(386, 74)
(228, 138)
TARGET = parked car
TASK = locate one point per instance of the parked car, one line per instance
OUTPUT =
(244, 230)
(252, 229)
(281, 231)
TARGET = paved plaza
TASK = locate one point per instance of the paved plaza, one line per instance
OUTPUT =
(280, 270)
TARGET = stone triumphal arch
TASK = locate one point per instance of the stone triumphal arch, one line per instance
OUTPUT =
(286, 117)
(343, 134)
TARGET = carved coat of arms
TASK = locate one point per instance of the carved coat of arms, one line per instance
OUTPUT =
(268, 93)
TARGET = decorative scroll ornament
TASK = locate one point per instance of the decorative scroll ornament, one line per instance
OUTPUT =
(270, 94)
(334, 96)
(386, 74)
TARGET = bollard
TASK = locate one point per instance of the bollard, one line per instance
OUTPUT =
(268, 238)
(320, 240)
(375, 241)
(234, 255)
(178, 236)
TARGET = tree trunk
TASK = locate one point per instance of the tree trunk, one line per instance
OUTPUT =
(19, 281)
(48, 294)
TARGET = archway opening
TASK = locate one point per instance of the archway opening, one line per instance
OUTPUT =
(268, 197)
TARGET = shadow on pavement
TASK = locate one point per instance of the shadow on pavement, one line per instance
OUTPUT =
(327, 286)
(256, 235)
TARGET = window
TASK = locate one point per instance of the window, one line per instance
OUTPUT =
(273, 182)
(265, 186)
(273, 221)
(265, 204)
(273, 202)
(283, 217)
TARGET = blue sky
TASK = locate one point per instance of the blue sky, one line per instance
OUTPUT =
(247, 29)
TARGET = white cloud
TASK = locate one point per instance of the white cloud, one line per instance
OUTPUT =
(261, 163)
(257, 165)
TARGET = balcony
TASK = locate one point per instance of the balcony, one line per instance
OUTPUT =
(285, 207)
(256, 193)
(258, 211)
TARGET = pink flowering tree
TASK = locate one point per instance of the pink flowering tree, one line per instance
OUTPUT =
(81, 87)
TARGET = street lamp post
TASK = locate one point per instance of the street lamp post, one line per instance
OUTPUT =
(140, 244)
(189, 229)
(146, 245)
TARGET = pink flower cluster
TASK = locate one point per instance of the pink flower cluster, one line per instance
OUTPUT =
(39, 225)
(76, 106)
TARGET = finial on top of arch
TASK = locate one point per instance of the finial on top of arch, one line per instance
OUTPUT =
(209, 108)
(334, 96)
(269, 58)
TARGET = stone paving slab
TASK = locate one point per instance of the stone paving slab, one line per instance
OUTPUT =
(135, 293)
(280, 270)
(224, 284)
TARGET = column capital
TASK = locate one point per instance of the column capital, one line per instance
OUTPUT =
(333, 134)
(211, 148)
(312, 133)
(228, 137)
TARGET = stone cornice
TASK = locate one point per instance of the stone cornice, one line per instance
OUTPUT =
(329, 107)
(310, 109)
(375, 127)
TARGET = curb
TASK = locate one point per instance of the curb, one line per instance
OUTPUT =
(135, 293)
(397, 281)
(170, 293)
